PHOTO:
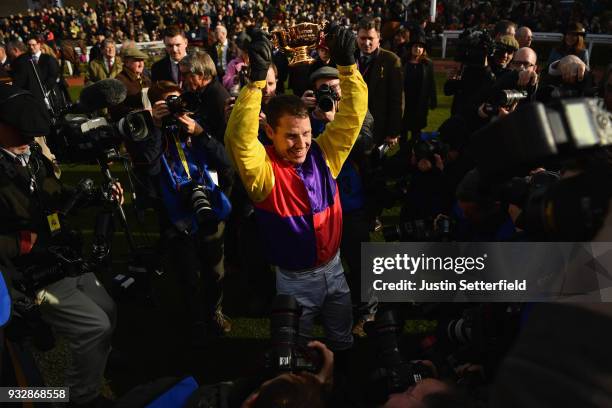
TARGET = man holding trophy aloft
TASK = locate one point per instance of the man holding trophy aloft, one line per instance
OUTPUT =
(292, 185)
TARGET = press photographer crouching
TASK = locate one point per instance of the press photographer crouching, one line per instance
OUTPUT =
(36, 241)
(195, 202)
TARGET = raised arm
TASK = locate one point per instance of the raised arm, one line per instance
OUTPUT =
(340, 135)
(246, 152)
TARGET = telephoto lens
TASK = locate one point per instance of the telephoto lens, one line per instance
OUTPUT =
(202, 208)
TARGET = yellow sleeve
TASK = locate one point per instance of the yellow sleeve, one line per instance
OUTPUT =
(340, 135)
(244, 149)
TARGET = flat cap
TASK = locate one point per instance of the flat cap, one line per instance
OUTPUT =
(324, 72)
(134, 53)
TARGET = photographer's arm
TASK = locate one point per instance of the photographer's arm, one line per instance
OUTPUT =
(339, 136)
(244, 149)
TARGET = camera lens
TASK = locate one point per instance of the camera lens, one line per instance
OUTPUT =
(207, 219)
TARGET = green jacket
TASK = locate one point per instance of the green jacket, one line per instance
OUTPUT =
(97, 70)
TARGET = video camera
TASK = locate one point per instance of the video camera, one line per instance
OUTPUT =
(288, 354)
(326, 98)
(572, 132)
(473, 45)
(80, 135)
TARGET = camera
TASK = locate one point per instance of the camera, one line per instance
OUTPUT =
(427, 149)
(395, 374)
(184, 103)
(503, 98)
(197, 197)
(288, 354)
(473, 45)
(326, 98)
(573, 133)
(79, 138)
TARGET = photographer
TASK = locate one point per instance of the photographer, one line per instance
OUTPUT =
(351, 182)
(518, 85)
(292, 184)
(70, 297)
(194, 204)
(200, 76)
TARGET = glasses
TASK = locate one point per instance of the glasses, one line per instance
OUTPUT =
(522, 64)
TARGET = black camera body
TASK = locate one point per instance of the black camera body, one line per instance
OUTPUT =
(80, 138)
(427, 149)
(197, 197)
(326, 98)
(187, 102)
(288, 353)
(395, 374)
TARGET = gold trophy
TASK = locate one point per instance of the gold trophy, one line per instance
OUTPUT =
(298, 40)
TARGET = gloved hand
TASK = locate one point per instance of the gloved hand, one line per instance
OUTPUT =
(260, 55)
(341, 43)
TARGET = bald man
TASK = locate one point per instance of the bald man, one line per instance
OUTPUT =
(525, 61)
(223, 51)
(524, 37)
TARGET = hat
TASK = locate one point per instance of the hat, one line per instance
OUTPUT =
(575, 28)
(509, 42)
(20, 109)
(324, 72)
(134, 53)
(417, 37)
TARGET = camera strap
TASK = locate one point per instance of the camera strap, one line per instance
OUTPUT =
(181, 154)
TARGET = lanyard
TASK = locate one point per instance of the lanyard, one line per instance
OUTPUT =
(181, 154)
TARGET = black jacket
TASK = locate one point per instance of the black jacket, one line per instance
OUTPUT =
(25, 78)
(162, 70)
(211, 115)
(419, 97)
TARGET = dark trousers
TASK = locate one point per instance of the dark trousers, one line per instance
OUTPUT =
(355, 231)
(198, 262)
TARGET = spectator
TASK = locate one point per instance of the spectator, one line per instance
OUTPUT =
(419, 89)
(135, 81)
(238, 66)
(382, 71)
(96, 51)
(524, 37)
(504, 27)
(223, 51)
(109, 66)
(571, 44)
(167, 68)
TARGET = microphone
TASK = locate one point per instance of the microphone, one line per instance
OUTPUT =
(101, 95)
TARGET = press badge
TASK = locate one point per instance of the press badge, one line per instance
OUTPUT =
(54, 223)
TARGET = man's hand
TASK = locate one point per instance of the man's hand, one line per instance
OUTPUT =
(309, 99)
(190, 125)
(260, 55)
(117, 192)
(527, 78)
(227, 107)
(159, 111)
(326, 375)
(342, 44)
(572, 69)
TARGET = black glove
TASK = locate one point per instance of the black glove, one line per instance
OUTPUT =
(260, 55)
(341, 43)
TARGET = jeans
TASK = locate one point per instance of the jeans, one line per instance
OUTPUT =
(321, 291)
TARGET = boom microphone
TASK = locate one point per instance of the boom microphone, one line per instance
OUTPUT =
(102, 94)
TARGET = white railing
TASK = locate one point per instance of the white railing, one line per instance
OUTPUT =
(591, 39)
